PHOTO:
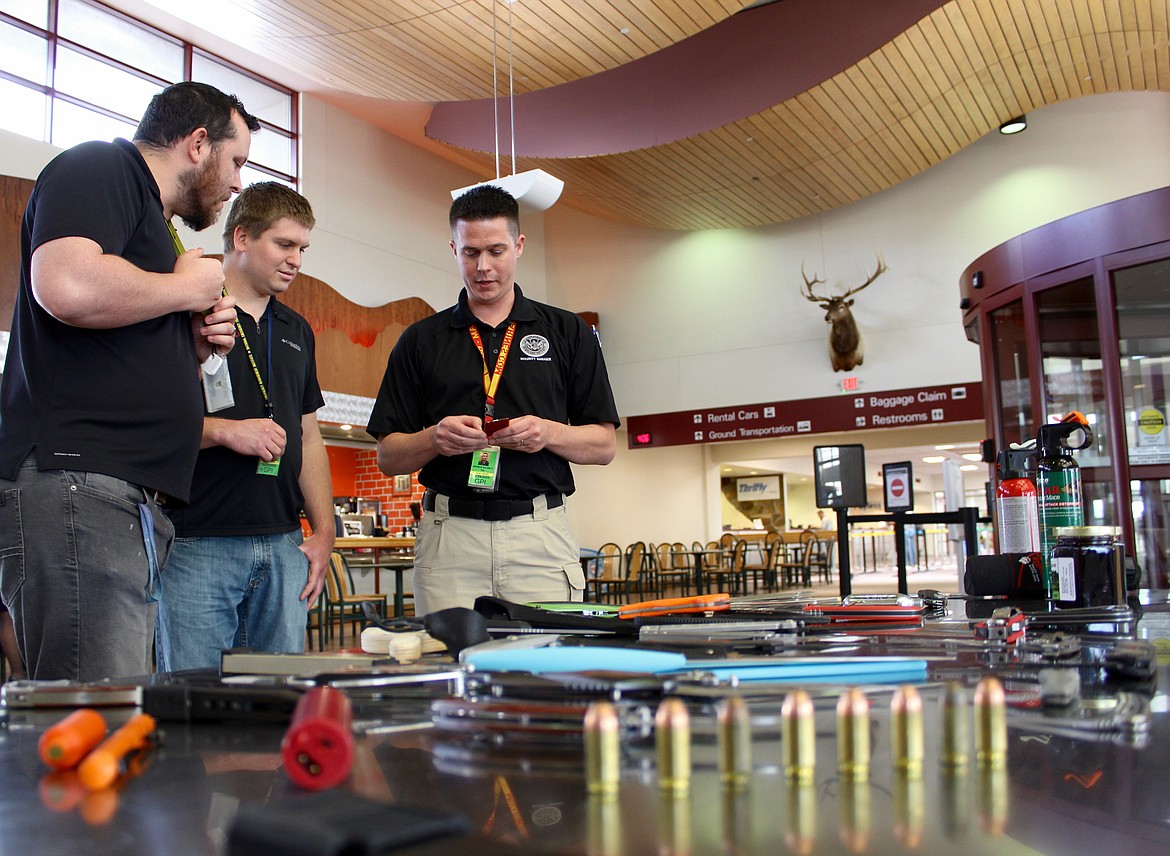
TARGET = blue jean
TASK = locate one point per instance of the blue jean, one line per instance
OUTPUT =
(238, 592)
(74, 572)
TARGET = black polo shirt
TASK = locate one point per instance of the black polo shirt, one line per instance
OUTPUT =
(555, 371)
(228, 497)
(124, 401)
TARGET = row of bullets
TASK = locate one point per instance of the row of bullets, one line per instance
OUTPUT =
(798, 737)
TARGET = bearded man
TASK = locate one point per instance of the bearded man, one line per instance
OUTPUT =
(101, 409)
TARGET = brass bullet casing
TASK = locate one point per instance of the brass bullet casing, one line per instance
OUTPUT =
(798, 733)
(602, 749)
(735, 742)
(908, 735)
(672, 740)
(853, 734)
(956, 730)
(990, 724)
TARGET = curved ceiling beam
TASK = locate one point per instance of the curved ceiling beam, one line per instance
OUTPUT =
(747, 63)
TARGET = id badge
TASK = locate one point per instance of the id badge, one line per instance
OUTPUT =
(217, 384)
(485, 468)
(268, 468)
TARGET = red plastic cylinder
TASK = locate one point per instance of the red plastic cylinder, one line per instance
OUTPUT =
(317, 749)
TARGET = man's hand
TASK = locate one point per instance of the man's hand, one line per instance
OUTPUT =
(215, 331)
(458, 435)
(200, 278)
(261, 437)
(524, 434)
(318, 548)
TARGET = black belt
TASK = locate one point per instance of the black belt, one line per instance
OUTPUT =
(489, 509)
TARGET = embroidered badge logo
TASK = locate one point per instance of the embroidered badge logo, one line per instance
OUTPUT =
(534, 346)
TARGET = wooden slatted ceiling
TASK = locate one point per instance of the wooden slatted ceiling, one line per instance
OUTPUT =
(944, 83)
(436, 50)
(940, 86)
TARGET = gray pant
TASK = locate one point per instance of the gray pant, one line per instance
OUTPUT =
(74, 572)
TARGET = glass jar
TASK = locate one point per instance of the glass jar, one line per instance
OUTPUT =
(1088, 566)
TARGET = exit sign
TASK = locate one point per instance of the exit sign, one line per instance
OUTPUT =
(643, 439)
(849, 384)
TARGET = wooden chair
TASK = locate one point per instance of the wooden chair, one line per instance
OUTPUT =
(673, 568)
(639, 573)
(763, 571)
(317, 620)
(822, 558)
(731, 577)
(801, 566)
(610, 575)
(343, 605)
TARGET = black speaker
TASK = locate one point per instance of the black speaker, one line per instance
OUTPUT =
(840, 476)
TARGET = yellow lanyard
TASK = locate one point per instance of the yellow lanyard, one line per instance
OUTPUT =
(491, 381)
(268, 409)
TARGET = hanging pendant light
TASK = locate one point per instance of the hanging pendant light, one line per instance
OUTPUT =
(534, 188)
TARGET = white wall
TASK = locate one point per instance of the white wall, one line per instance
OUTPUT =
(381, 207)
(716, 318)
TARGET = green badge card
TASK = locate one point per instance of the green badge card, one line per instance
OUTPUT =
(485, 467)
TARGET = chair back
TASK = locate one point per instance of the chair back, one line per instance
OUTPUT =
(664, 557)
(634, 555)
(680, 556)
(738, 555)
(333, 577)
(808, 546)
(727, 540)
(609, 557)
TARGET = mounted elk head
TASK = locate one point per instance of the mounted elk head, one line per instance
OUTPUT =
(845, 346)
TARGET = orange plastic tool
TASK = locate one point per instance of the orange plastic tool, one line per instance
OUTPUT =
(676, 605)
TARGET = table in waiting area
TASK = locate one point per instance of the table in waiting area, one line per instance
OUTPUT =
(388, 554)
(1057, 794)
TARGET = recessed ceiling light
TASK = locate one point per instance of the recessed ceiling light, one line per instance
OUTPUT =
(968, 468)
(346, 427)
(944, 447)
(1014, 126)
(972, 456)
(934, 459)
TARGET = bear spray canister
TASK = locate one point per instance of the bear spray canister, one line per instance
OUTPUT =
(1058, 482)
(1017, 519)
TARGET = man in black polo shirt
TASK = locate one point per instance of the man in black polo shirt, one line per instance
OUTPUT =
(497, 373)
(100, 407)
(238, 573)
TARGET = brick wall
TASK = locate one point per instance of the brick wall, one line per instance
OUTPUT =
(355, 473)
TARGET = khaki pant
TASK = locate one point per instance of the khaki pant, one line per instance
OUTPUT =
(529, 558)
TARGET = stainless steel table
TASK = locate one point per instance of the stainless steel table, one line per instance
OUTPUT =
(1056, 796)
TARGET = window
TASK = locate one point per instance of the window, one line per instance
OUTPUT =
(75, 70)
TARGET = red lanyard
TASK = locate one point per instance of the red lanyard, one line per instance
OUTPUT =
(491, 382)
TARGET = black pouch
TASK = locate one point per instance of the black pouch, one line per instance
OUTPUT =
(337, 823)
(496, 608)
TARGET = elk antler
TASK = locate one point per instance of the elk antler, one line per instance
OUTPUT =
(881, 268)
(808, 286)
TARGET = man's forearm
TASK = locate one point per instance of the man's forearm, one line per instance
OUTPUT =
(399, 454)
(584, 444)
(315, 482)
